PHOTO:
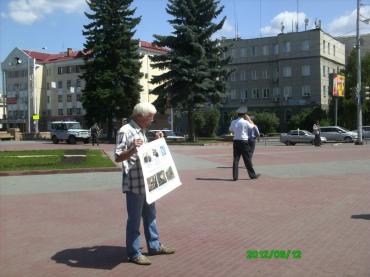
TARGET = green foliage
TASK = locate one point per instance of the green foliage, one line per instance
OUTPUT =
(307, 117)
(206, 122)
(195, 68)
(266, 122)
(112, 62)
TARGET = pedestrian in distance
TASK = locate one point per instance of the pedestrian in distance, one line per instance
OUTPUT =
(253, 135)
(129, 138)
(316, 132)
(95, 132)
(239, 127)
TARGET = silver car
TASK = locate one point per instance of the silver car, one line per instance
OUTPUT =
(337, 133)
(298, 136)
(365, 132)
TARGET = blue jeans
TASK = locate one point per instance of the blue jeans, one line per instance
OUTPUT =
(137, 208)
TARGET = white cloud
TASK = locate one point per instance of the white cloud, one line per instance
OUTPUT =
(346, 24)
(29, 11)
(288, 19)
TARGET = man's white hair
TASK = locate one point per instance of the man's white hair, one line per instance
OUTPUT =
(144, 109)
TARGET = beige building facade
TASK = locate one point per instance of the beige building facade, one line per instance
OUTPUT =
(40, 88)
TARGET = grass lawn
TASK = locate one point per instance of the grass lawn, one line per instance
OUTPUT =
(53, 159)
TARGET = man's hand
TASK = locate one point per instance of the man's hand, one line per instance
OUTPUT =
(137, 143)
(129, 152)
(158, 135)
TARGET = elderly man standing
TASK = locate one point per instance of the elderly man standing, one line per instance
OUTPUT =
(129, 138)
(239, 127)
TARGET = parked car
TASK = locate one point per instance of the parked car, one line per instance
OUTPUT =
(337, 133)
(365, 132)
(69, 131)
(169, 135)
(298, 136)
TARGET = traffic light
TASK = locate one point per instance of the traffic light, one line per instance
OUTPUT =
(367, 93)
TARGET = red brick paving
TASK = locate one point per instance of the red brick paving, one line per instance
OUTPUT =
(211, 221)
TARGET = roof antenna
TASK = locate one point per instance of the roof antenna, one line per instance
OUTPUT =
(296, 24)
(282, 27)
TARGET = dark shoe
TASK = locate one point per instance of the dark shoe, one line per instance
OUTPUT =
(257, 176)
(141, 260)
(163, 250)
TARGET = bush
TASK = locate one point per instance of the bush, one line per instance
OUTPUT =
(206, 122)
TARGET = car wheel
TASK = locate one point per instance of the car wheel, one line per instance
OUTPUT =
(55, 140)
(292, 143)
(288, 142)
(72, 140)
(348, 139)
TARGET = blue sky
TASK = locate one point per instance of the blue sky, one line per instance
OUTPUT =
(57, 24)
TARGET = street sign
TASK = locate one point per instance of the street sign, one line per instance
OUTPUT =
(36, 117)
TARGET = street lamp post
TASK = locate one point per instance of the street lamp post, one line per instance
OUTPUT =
(358, 89)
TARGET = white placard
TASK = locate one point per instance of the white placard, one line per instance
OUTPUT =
(159, 170)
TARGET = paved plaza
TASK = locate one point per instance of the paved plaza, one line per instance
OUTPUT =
(315, 200)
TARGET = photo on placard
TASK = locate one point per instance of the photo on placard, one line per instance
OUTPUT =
(161, 178)
(169, 173)
(163, 150)
(155, 153)
(147, 157)
(152, 183)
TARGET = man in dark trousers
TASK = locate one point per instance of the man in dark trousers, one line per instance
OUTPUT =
(253, 135)
(239, 127)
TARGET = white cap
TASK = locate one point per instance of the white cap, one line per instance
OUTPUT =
(242, 109)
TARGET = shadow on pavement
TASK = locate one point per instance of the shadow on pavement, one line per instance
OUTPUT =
(214, 179)
(361, 216)
(99, 257)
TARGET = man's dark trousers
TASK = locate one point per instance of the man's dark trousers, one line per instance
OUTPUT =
(241, 148)
(252, 146)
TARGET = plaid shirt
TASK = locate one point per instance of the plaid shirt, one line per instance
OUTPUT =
(133, 179)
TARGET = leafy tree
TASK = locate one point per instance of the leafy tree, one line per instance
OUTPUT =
(206, 122)
(196, 73)
(266, 122)
(112, 62)
(307, 117)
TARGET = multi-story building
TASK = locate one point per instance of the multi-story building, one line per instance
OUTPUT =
(282, 74)
(351, 41)
(40, 88)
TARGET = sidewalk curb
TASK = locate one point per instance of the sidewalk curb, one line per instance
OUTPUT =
(60, 171)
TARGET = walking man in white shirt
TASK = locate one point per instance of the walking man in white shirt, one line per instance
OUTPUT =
(239, 127)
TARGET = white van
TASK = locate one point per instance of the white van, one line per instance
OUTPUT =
(69, 131)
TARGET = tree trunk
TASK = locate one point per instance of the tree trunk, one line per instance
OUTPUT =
(191, 124)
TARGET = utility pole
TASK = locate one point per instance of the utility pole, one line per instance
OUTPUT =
(358, 90)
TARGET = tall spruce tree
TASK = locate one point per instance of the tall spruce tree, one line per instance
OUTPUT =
(195, 65)
(112, 62)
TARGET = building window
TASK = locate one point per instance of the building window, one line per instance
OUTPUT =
(323, 71)
(255, 93)
(68, 69)
(60, 84)
(78, 111)
(78, 68)
(265, 50)
(243, 76)
(266, 93)
(244, 94)
(69, 84)
(275, 92)
(233, 52)
(60, 111)
(276, 49)
(253, 51)
(306, 45)
(287, 71)
(69, 98)
(78, 97)
(287, 47)
(265, 74)
(323, 46)
(49, 112)
(306, 91)
(60, 70)
(243, 52)
(48, 99)
(78, 83)
(233, 94)
(306, 70)
(254, 75)
(287, 92)
(60, 98)
(233, 76)
(69, 111)
(328, 48)
(324, 91)
(333, 50)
